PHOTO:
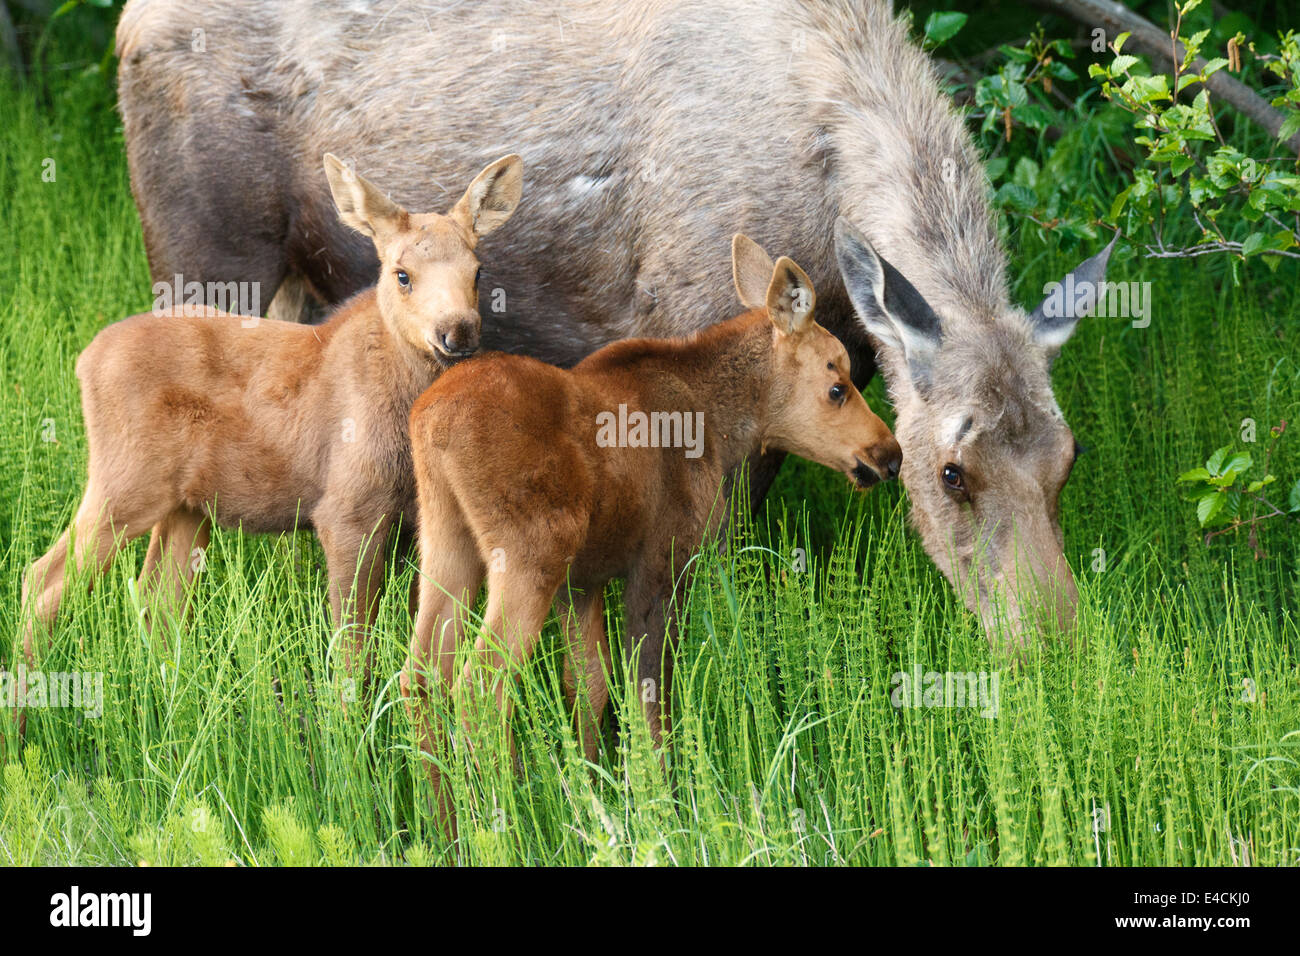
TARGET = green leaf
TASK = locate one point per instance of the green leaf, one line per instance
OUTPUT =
(1208, 507)
(1196, 474)
(1118, 205)
(1025, 173)
(1293, 499)
(1215, 463)
(1214, 66)
(1237, 464)
(942, 25)
(1290, 126)
(1123, 63)
(1060, 71)
(1017, 197)
(1016, 54)
(1181, 164)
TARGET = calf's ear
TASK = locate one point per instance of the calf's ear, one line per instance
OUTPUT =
(492, 197)
(790, 297)
(751, 270)
(361, 204)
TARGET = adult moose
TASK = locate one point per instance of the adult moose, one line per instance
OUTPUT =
(652, 128)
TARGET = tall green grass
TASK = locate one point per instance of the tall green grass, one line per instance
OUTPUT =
(223, 740)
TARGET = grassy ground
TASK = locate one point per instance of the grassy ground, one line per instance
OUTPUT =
(1138, 747)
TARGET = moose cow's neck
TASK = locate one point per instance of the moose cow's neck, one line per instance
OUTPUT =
(902, 167)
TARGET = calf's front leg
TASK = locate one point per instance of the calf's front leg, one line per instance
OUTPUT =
(354, 559)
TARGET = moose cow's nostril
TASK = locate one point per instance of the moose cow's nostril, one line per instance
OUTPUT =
(894, 465)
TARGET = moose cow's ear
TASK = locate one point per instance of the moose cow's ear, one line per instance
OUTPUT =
(888, 305)
(492, 197)
(361, 204)
(751, 270)
(1069, 300)
(790, 298)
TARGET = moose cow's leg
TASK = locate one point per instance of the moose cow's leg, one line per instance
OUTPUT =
(176, 553)
(586, 662)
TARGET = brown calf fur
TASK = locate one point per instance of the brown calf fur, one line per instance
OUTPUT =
(515, 485)
(272, 425)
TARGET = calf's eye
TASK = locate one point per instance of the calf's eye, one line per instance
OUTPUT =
(403, 279)
(837, 393)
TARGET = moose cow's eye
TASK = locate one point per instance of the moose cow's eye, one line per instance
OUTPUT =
(954, 482)
(837, 394)
(403, 279)
(477, 275)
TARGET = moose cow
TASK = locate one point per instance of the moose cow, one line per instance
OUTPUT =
(652, 129)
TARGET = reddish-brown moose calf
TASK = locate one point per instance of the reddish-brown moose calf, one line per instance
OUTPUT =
(550, 482)
(273, 425)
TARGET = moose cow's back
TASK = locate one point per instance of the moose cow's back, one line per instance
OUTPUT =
(652, 130)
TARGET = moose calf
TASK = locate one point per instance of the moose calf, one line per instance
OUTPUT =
(523, 478)
(192, 420)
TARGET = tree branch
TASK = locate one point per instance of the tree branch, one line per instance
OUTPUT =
(1147, 38)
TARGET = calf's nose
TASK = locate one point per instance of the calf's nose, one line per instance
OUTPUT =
(461, 339)
(888, 458)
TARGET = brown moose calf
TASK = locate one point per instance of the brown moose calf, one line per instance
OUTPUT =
(550, 482)
(271, 425)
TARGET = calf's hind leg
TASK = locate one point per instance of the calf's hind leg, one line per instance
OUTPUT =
(95, 536)
(177, 550)
(93, 539)
(450, 574)
(649, 598)
(518, 601)
(586, 662)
